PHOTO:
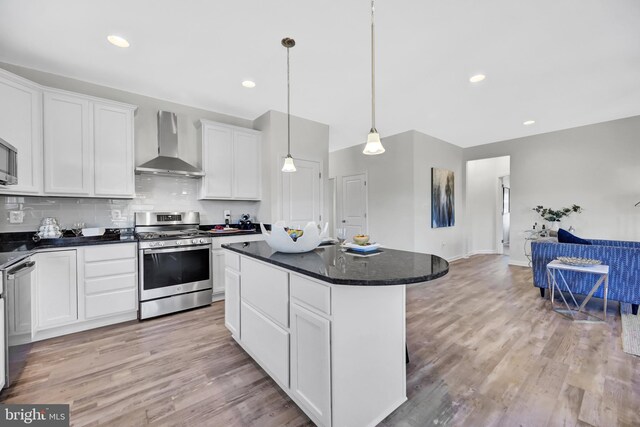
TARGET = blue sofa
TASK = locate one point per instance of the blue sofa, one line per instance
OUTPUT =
(623, 259)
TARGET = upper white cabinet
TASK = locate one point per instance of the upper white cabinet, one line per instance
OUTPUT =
(67, 147)
(113, 150)
(21, 126)
(88, 146)
(231, 158)
(68, 144)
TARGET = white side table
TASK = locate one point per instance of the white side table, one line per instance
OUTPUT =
(555, 278)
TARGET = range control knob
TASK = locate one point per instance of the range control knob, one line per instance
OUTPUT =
(178, 242)
(203, 240)
(194, 241)
(160, 243)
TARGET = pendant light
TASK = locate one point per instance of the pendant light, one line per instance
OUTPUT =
(374, 146)
(288, 161)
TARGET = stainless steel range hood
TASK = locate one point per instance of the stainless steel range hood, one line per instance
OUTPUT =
(168, 163)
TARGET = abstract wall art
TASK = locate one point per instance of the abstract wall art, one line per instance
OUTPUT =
(443, 209)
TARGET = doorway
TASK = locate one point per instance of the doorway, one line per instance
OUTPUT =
(354, 205)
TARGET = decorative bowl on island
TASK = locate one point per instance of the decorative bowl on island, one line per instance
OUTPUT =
(297, 241)
(361, 239)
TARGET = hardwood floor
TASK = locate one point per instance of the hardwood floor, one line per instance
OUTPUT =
(485, 350)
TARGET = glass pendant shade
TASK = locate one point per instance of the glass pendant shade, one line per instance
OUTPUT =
(288, 164)
(374, 146)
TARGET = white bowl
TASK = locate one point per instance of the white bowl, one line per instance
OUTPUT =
(94, 231)
(279, 240)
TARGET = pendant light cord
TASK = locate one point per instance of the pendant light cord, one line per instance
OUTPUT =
(288, 108)
(373, 70)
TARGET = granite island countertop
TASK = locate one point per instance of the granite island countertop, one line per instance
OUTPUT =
(331, 264)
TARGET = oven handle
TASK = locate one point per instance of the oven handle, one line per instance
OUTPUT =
(176, 249)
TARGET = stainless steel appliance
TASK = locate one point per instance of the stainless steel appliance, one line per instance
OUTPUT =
(8, 163)
(15, 292)
(167, 162)
(174, 262)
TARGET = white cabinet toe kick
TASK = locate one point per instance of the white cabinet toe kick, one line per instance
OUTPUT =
(338, 351)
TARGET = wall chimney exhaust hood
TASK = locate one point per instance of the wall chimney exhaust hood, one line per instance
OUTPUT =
(168, 163)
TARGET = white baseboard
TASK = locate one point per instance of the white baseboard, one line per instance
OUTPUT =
(483, 252)
(455, 258)
(518, 263)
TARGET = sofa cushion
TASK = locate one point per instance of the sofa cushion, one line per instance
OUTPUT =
(565, 237)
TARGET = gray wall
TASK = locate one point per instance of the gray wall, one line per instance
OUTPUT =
(309, 141)
(399, 191)
(595, 166)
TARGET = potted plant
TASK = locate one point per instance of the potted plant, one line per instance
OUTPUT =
(555, 216)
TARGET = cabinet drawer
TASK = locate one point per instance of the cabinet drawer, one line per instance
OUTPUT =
(232, 260)
(110, 268)
(109, 252)
(110, 303)
(268, 342)
(110, 283)
(312, 293)
(267, 289)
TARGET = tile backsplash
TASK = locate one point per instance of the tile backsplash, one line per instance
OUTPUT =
(153, 193)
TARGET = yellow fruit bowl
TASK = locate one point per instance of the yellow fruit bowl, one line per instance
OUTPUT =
(361, 239)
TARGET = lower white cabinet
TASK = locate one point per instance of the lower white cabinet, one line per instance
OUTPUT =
(110, 280)
(311, 362)
(218, 260)
(83, 288)
(56, 289)
(3, 345)
(340, 354)
(232, 301)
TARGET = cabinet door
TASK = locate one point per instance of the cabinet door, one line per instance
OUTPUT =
(113, 151)
(3, 346)
(217, 265)
(67, 144)
(217, 155)
(232, 301)
(310, 362)
(21, 126)
(56, 289)
(246, 165)
(19, 306)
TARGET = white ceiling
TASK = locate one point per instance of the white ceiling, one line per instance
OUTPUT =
(563, 63)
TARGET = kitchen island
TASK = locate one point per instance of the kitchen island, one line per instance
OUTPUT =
(328, 326)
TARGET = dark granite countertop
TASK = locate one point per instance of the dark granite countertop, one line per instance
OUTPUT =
(23, 241)
(331, 264)
(236, 232)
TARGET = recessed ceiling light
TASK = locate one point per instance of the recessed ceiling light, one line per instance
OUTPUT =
(477, 78)
(528, 122)
(118, 41)
(248, 83)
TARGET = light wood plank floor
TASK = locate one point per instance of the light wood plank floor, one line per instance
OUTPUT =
(485, 350)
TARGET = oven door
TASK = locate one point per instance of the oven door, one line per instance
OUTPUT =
(172, 271)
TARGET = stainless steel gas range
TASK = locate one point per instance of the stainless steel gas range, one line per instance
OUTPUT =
(174, 262)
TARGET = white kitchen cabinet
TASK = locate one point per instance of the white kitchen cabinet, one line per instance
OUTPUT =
(246, 165)
(3, 345)
(311, 362)
(110, 280)
(232, 301)
(217, 273)
(231, 158)
(113, 153)
(56, 289)
(218, 260)
(21, 126)
(67, 144)
(19, 307)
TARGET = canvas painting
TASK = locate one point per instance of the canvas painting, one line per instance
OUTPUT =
(443, 210)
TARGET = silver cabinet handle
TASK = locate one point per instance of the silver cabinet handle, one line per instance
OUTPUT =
(24, 269)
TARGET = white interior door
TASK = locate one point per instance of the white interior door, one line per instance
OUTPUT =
(300, 193)
(354, 205)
